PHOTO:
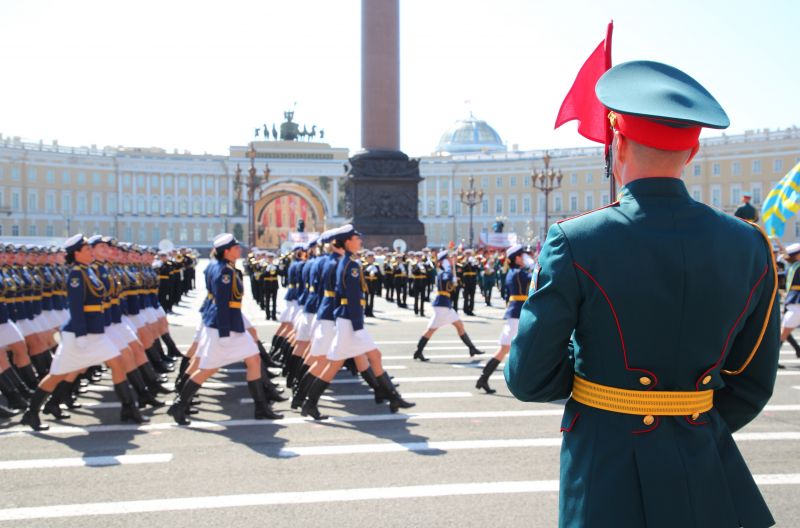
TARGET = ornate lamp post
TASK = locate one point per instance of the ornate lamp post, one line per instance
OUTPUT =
(546, 180)
(254, 181)
(471, 198)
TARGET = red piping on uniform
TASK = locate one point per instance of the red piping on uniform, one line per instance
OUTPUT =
(612, 204)
(571, 424)
(619, 328)
(655, 424)
(691, 422)
(730, 332)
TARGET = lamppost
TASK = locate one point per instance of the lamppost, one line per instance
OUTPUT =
(546, 181)
(471, 198)
(253, 181)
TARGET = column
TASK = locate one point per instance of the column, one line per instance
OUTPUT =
(335, 200)
(380, 74)
(436, 205)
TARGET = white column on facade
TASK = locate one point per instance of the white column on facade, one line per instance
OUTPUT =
(161, 193)
(147, 196)
(335, 200)
(189, 185)
(450, 211)
(216, 193)
(436, 205)
(230, 196)
(425, 197)
(203, 194)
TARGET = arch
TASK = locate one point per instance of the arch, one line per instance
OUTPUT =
(318, 193)
(279, 208)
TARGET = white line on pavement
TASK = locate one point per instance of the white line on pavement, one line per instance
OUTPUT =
(97, 461)
(408, 396)
(308, 497)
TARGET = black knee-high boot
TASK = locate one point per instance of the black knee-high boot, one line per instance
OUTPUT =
(172, 348)
(179, 410)
(145, 396)
(42, 365)
(302, 390)
(31, 416)
(263, 410)
(473, 350)
(155, 360)
(316, 389)
(350, 364)
(488, 370)
(165, 358)
(369, 377)
(129, 412)
(15, 399)
(29, 376)
(301, 371)
(396, 402)
(265, 358)
(151, 380)
(420, 347)
(794, 344)
(59, 396)
(21, 386)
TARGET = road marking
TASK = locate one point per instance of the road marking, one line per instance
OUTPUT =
(434, 347)
(407, 396)
(308, 497)
(789, 373)
(353, 380)
(98, 461)
(473, 365)
(225, 424)
(417, 446)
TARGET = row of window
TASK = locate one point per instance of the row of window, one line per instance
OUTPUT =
(109, 179)
(736, 167)
(144, 235)
(515, 205)
(169, 181)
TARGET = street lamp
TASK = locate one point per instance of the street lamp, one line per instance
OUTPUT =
(471, 198)
(253, 181)
(546, 181)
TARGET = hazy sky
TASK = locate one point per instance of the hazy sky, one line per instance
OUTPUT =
(200, 75)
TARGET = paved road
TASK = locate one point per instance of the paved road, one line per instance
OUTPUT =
(459, 459)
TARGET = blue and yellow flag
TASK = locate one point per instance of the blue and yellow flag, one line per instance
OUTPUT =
(782, 203)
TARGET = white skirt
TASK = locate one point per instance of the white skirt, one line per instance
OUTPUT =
(72, 355)
(791, 319)
(63, 316)
(287, 315)
(149, 314)
(247, 324)
(442, 316)
(215, 355)
(303, 326)
(130, 324)
(49, 319)
(40, 323)
(509, 332)
(322, 338)
(119, 334)
(198, 332)
(10, 333)
(160, 312)
(349, 343)
(136, 320)
(27, 327)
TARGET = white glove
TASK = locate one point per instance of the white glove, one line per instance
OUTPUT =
(225, 341)
(528, 260)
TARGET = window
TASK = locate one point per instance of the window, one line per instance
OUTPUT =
(181, 182)
(210, 183)
(736, 193)
(51, 176)
(33, 201)
(756, 166)
(154, 205)
(32, 230)
(32, 174)
(484, 182)
(156, 234)
(153, 182)
(211, 206)
(589, 177)
(126, 180)
(443, 207)
(777, 165)
(96, 179)
(141, 205)
(512, 205)
(696, 170)
(457, 207)
(142, 234)
(170, 233)
(736, 168)
(183, 234)
(81, 178)
(65, 178)
(126, 205)
(184, 207)
(15, 200)
(697, 193)
(485, 206)
(66, 203)
(715, 170)
(604, 199)
(112, 180)
(168, 182)
(512, 181)
(168, 209)
(498, 181)
(223, 207)
(558, 204)
(15, 177)
(589, 201)
(81, 204)
(716, 196)
(128, 233)
(196, 183)
(573, 179)
(498, 205)
(96, 203)
(15, 230)
(196, 206)
(112, 204)
(526, 182)
(755, 190)
(209, 233)
(48, 230)
(196, 235)
(573, 202)
(50, 202)
(431, 207)
(526, 205)
(140, 182)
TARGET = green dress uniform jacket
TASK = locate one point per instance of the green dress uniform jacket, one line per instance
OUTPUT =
(655, 292)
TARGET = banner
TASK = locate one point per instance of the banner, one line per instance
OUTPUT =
(300, 238)
(498, 240)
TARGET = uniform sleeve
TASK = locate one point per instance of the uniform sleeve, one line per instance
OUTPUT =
(352, 279)
(75, 296)
(751, 366)
(539, 367)
(223, 285)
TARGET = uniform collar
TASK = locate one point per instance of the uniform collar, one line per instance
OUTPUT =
(661, 187)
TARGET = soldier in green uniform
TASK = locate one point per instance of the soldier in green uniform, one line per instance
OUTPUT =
(746, 211)
(660, 364)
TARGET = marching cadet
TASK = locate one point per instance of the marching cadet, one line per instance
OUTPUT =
(83, 341)
(270, 287)
(430, 273)
(225, 340)
(308, 303)
(372, 272)
(388, 276)
(443, 312)
(518, 282)
(163, 268)
(469, 275)
(282, 340)
(746, 211)
(419, 279)
(352, 340)
(791, 303)
(660, 364)
(487, 280)
(401, 280)
(457, 270)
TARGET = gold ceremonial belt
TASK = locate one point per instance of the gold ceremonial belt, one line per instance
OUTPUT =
(518, 298)
(329, 293)
(235, 305)
(271, 278)
(344, 302)
(658, 403)
(795, 288)
(163, 276)
(470, 273)
(444, 293)
(93, 308)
